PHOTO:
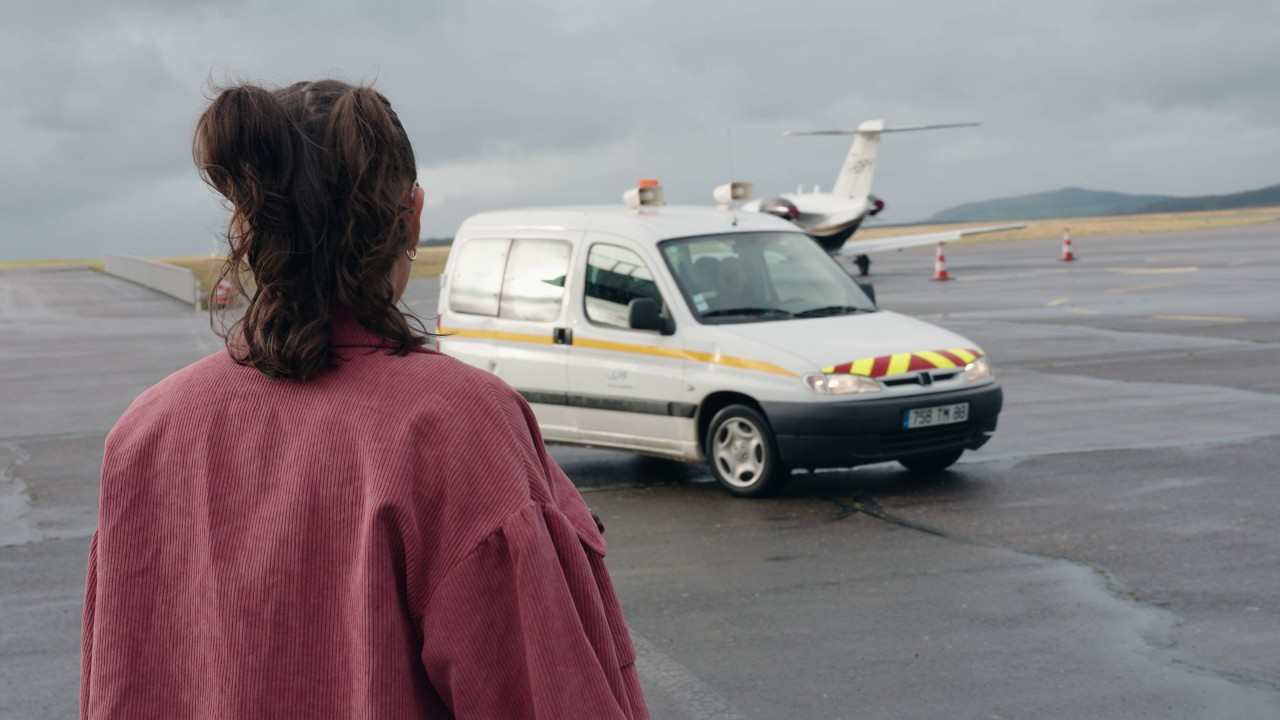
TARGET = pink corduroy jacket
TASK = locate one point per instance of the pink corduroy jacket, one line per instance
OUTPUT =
(388, 541)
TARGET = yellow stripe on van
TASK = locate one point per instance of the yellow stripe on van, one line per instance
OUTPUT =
(712, 358)
(862, 367)
(963, 354)
(743, 363)
(898, 364)
(494, 335)
(631, 348)
(939, 361)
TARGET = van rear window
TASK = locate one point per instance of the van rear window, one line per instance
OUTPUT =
(521, 279)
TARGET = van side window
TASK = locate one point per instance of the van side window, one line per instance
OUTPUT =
(477, 279)
(533, 288)
(615, 277)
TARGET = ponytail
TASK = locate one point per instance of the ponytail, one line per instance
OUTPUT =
(316, 174)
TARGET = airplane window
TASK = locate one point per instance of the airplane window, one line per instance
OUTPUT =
(615, 277)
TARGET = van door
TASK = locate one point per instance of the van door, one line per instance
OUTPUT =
(507, 305)
(626, 386)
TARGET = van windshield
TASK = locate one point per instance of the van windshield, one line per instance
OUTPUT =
(762, 276)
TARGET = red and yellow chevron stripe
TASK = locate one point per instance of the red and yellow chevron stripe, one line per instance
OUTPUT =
(907, 362)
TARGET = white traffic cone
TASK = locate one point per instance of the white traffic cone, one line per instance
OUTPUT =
(1067, 255)
(940, 266)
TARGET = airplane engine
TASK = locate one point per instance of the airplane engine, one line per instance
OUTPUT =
(780, 207)
(876, 206)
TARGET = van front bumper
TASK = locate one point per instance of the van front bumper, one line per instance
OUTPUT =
(858, 432)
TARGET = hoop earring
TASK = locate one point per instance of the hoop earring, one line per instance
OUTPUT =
(412, 253)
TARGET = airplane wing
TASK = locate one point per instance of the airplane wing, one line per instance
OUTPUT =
(864, 247)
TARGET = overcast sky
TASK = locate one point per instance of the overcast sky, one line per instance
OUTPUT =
(571, 101)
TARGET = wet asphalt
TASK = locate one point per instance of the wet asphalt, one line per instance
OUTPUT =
(1111, 553)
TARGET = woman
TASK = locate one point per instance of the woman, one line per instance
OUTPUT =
(328, 520)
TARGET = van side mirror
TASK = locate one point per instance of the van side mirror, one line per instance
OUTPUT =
(870, 291)
(644, 314)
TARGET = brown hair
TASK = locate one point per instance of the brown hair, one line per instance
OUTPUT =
(318, 176)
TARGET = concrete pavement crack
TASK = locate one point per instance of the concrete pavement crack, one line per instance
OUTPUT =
(15, 500)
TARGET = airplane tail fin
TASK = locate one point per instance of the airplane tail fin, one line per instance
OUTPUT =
(859, 165)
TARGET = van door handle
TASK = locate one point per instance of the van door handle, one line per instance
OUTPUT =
(562, 336)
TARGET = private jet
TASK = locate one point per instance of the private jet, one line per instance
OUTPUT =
(831, 218)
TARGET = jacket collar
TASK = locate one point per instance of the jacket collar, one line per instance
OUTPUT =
(348, 332)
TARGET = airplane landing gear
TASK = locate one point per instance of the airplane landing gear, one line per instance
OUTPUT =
(864, 264)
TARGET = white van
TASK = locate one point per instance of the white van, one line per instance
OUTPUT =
(707, 335)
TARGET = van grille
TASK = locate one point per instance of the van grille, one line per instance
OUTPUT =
(935, 377)
(904, 441)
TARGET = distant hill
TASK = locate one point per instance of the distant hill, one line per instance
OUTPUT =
(1253, 198)
(1064, 203)
(1079, 202)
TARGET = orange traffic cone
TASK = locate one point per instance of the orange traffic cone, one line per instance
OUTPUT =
(1067, 255)
(940, 266)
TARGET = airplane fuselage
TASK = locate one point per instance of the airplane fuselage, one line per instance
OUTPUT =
(828, 218)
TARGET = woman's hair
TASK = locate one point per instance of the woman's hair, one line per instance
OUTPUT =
(318, 175)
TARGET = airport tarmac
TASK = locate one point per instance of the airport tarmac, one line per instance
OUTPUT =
(1111, 553)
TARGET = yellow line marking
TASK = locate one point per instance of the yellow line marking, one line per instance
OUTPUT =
(1083, 311)
(1137, 288)
(1006, 276)
(1056, 302)
(1202, 318)
(1155, 271)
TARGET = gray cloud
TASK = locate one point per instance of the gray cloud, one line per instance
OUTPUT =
(573, 100)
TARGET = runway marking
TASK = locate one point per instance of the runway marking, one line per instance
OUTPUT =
(1241, 261)
(1007, 276)
(692, 695)
(1155, 271)
(1138, 288)
(1203, 318)
(1083, 311)
(1056, 302)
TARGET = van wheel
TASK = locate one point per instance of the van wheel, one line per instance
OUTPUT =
(932, 462)
(743, 453)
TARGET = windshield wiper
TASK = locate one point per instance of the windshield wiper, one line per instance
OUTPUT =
(751, 311)
(830, 310)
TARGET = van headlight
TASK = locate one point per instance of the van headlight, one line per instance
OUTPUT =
(977, 370)
(840, 383)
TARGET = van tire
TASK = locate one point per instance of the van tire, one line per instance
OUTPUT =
(934, 462)
(743, 453)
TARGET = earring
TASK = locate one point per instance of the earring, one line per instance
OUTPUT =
(412, 253)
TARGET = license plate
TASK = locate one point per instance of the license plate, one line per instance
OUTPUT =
(939, 415)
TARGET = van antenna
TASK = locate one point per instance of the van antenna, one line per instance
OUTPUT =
(728, 132)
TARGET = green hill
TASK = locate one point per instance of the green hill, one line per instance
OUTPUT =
(1254, 198)
(1064, 203)
(1079, 202)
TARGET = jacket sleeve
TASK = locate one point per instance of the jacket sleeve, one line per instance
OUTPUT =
(528, 626)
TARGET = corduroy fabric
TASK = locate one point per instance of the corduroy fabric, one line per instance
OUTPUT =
(388, 541)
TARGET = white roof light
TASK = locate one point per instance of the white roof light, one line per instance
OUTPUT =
(733, 192)
(647, 193)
